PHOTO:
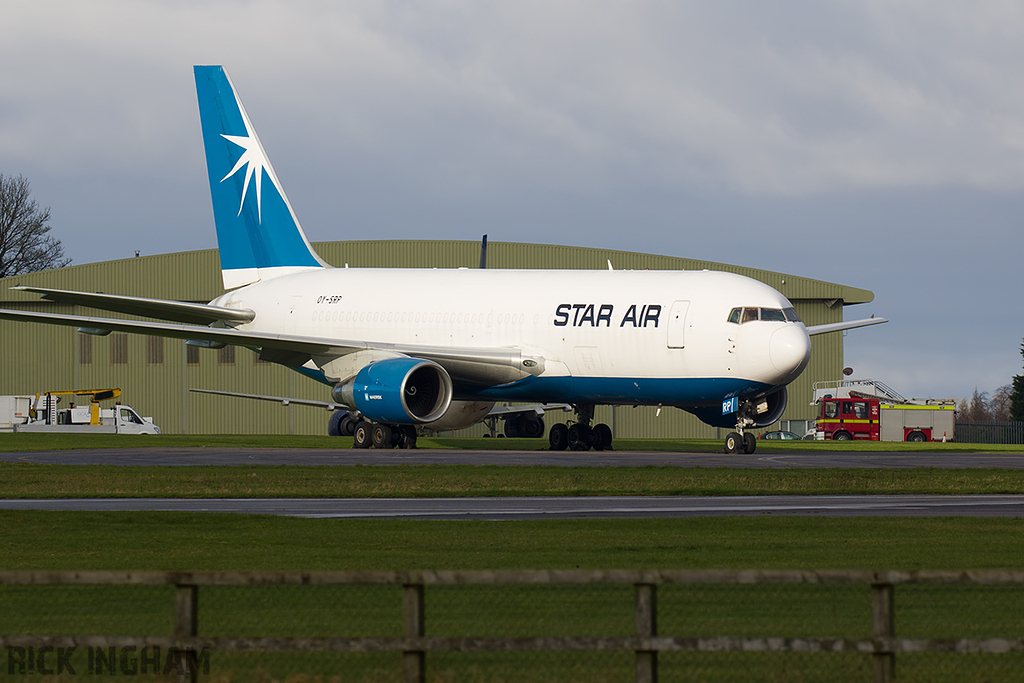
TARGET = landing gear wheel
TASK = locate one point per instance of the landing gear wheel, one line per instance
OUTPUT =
(347, 426)
(361, 434)
(602, 437)
(334, 423)
(531, 427)
(558, 437)
(749, 443)
(408, 433)
(580, 437)
(381, 436)
(733, 442)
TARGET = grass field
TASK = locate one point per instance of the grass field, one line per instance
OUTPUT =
(27, 480)
(178, 541)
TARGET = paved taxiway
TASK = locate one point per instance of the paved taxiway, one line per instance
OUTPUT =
(560, 507)
(538, 507)
(351, 456)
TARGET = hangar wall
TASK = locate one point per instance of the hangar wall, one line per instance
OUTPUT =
(157, 373)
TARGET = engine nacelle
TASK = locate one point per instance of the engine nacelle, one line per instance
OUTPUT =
(461, 414)
(762, 411)
(767, 410)
(398, 391)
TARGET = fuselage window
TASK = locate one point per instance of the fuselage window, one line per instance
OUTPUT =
(734, 315)
(773, 314)
(791, 315)
(749, 315)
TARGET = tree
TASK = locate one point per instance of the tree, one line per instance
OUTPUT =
(1000, 404)
(1017, 397)
(25, 245)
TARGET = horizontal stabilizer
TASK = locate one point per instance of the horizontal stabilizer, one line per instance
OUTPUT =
(178, 311)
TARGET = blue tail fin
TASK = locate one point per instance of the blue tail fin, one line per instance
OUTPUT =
(257, 232)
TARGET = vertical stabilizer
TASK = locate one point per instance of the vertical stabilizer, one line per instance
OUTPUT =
(257, 233)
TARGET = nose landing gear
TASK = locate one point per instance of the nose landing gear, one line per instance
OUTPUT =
(740, 442)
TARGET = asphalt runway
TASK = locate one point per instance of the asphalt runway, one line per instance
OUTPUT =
(351, 456)
(538, 507)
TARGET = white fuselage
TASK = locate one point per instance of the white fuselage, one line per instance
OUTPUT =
(642, 337)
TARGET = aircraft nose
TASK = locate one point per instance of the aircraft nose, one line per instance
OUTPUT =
(790, 349)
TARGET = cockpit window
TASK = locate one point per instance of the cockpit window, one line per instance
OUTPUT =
(750, 314)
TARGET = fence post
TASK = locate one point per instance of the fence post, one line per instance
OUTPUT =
(645, 606)
(186, 625)
(414, 661)
(883, 625)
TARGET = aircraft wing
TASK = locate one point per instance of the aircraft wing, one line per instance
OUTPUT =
(484, 366)
(838, 327)
(535, 408)
(496, 411)
(329, 405)
(178, 311)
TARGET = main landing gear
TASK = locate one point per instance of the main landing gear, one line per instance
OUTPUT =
(365, 434)
(580, 436)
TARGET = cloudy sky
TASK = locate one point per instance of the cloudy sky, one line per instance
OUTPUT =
(875, 144)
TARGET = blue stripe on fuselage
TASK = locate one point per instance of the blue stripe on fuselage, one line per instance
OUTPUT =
(618, 390)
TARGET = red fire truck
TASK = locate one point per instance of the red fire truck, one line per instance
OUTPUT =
(864, 409)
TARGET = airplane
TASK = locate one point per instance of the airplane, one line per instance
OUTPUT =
(404, 350)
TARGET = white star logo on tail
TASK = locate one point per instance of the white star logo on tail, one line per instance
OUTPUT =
(256, 163)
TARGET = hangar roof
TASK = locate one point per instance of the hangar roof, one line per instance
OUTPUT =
(195, 275)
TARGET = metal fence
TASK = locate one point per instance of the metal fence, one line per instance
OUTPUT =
(515, 625)
(990, 432)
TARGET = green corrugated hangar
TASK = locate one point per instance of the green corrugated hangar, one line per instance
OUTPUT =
(156, 373)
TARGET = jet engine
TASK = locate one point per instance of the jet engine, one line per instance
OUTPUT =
(398, 391)
(761, 411)
(768, 409)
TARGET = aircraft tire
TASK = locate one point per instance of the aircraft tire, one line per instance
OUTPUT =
(380, 436)
(334, 423)
(580, 437)
(512, 427)
(361, 435)
(531, 427)
(408, 436)
(558, 437)
(602, 437)
(733, 442)
(749, 443)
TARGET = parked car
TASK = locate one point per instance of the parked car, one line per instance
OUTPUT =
(782, 435)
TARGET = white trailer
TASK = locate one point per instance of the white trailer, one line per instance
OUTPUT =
(14, 411)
